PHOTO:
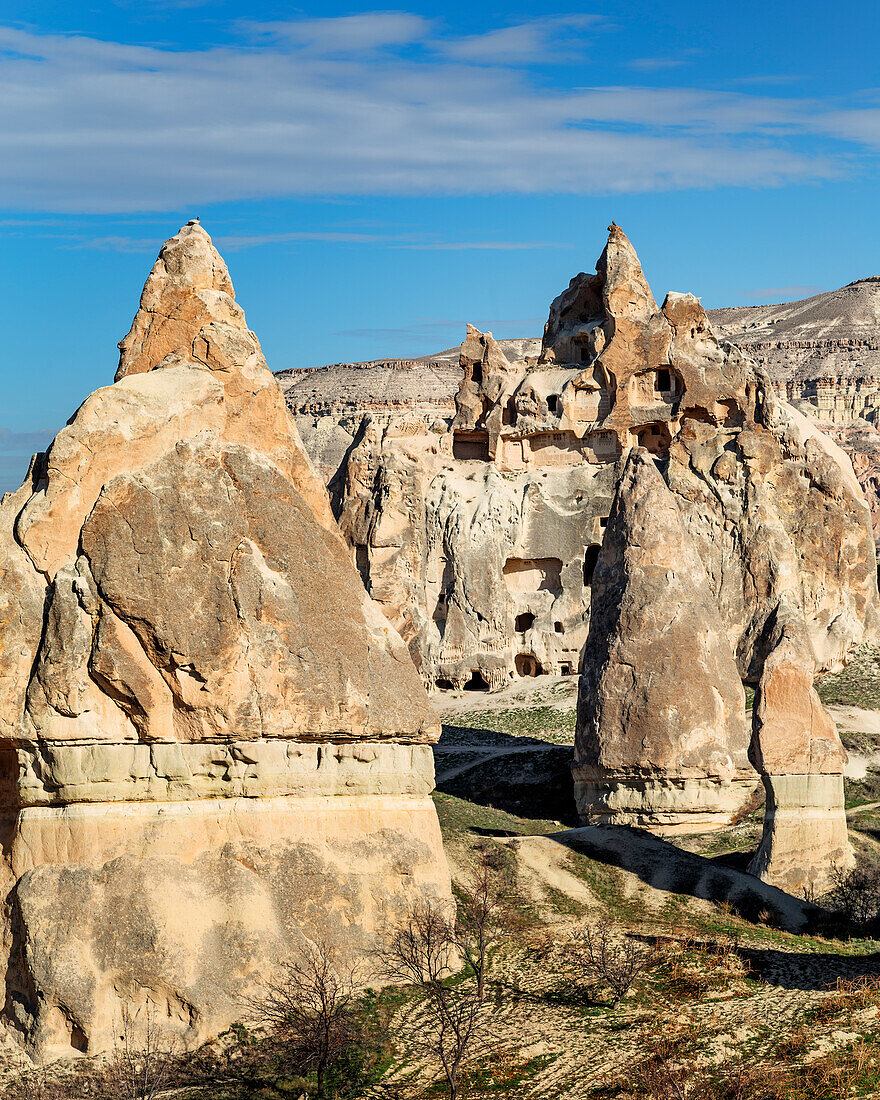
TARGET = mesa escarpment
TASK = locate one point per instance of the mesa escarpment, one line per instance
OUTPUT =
(481, 538)
(823, 356)
(213, 744)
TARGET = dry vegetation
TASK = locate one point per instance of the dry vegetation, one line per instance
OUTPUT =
(582, 979)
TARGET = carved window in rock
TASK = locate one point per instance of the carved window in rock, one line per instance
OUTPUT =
(655, 438)
(585, 353)
(591, 556)
(654, 386)
(527, 665)
(477, 373)
(508, 416)
(553, 404)
(470, 446)
(524, 621)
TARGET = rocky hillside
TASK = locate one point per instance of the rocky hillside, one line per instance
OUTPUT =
(823, 354)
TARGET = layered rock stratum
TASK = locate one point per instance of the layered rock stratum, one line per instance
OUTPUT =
(480, 535)
(214, 746)
(823, 356)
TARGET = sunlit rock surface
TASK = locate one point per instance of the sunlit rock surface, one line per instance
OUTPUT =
(213, 744)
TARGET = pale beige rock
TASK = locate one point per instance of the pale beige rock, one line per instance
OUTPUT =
(213, 743)
(661, 708)
(479, 541)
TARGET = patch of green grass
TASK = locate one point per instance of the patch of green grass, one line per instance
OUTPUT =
(548, 723)
(858, 685)
(459, 818)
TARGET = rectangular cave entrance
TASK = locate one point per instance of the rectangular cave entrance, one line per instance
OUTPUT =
(471, 446)
(591, 556)
(477, 682)
(362, 561)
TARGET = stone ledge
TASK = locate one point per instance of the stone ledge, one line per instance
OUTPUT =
(63, 773)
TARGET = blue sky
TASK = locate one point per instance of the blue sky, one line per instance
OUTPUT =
(377, 177)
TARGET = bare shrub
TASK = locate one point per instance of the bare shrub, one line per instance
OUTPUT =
(855, 893)
(311, 1006)
(483, 917)
(143, 1061)
(614, 959)
(668, 1072)
(423, 951)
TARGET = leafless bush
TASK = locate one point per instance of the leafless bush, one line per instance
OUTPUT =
(33, 1083)
(617, 960)
(483, 918)
(311, 1007)
(669, 1072)
(423, 951)
(143, 1061)
(855, 893)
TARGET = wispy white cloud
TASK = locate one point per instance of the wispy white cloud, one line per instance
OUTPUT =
(233, 243)
(553, 38)
(380, 103)
(345, 34)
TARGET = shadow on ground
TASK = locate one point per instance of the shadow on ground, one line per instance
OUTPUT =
(662, 866)
(520, 775)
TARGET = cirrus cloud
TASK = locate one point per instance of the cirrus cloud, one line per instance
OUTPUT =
(382, 103)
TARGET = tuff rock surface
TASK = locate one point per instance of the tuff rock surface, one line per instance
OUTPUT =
(479, 535)
(661, 708)
(822, 355)
(212, 743)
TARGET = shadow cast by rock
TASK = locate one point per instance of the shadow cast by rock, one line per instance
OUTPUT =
(520, 775)
(663, 866)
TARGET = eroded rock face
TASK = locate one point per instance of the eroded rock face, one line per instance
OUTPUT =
(822, 355)
(211, 741)
(782, 532)
(479, 535)
(662, 732)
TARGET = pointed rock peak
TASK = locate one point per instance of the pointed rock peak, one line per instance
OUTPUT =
(482, 347)
(625, 288)
(188, 287)
(644, 515)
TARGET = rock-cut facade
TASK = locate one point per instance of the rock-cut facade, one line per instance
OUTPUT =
(214, 747)
(487, 538)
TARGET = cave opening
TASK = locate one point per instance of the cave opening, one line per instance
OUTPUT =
(524, 622)
(591, 556)
(527, 665)
(477, 682)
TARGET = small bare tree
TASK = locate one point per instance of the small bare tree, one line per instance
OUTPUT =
(311, 1007)
(855, 892)
(143, 1061)
(423, 951)
(612, 958)
(482, 919)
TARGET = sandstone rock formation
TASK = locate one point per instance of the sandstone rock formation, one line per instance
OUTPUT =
(480, 538)
(781, 528)
(663, 739)
(213, 744)
(822, 355)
